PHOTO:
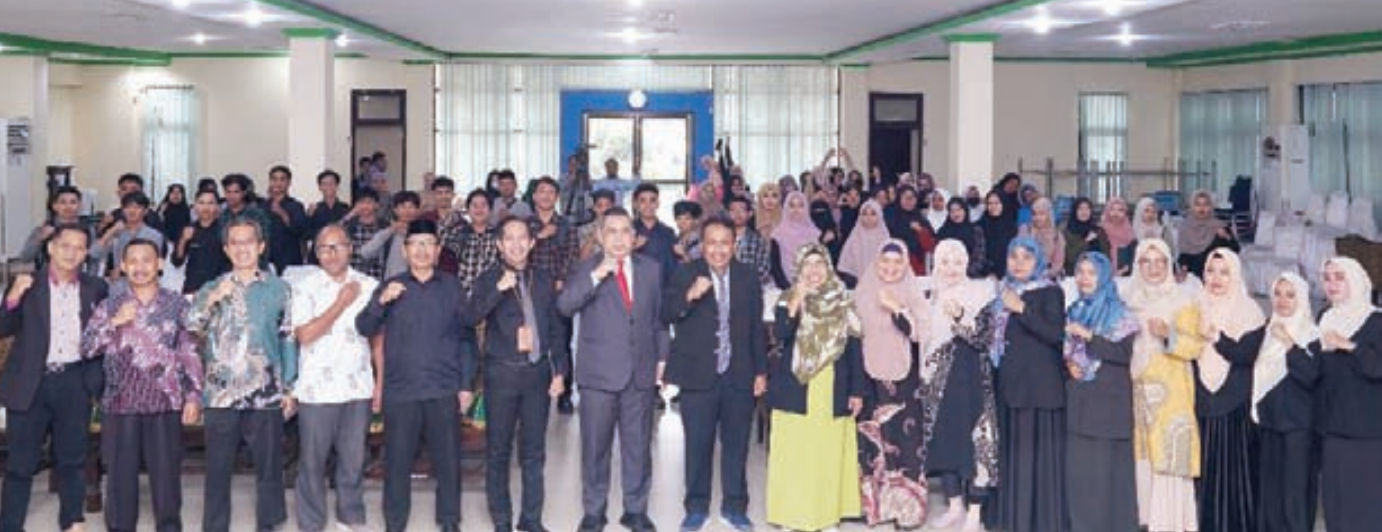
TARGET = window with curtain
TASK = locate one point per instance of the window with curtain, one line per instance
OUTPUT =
(1222, 128)
(1345, 122)
(170, 118)
(1103, 132)
(492, 116)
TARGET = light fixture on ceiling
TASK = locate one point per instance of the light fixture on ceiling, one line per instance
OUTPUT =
(635, 3)
(638, 98)
(1126, 37)
(342, 41)
(1041, 23)
(199, 38)
(1113, 7)
(253, 16)
(180, 4)
(631, 35)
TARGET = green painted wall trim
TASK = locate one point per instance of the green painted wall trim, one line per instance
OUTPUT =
(1270, 50)
(111, 62)
(971, 37)
(712, 58)
(939, 26)
(252, 55)
(1280, 56)
(25, 42)
(310, 33)
(327, 16)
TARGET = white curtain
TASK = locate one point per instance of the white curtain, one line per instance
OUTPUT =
(1345, 123)
(170, 125)
(1223, 128)
(1104, 127)
(779, 120)
(495, 116)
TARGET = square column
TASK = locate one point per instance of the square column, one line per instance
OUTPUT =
(971, 112)
(311, 63)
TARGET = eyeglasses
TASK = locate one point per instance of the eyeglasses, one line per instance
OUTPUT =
(333, 248)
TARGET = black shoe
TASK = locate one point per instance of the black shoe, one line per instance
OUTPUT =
(592, 523)
(564, 406)
(531, 527)
(501, 527)
(637, 523)
(451, 527)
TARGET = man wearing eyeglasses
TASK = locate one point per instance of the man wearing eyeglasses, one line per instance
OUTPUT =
(335, 383)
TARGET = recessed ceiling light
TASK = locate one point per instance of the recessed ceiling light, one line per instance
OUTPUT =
(342, 41)
(1113, 7)
(1041, 24)
(253, 16)
(1126, 37)
(635, 3)
(180, 4)
(631, 35)
(199, 38)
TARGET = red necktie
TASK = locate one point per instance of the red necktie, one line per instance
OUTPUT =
(623, 287)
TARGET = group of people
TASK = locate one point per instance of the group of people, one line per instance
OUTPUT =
(906, 342)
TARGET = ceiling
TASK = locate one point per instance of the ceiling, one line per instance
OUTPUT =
(1161, 32)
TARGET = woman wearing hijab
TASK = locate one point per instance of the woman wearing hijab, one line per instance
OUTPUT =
(907, 222)
(767, 211)
(961, 423)
(891, 309)
(792, 233)
(1026, 196)
(176, 211)
(1166, 438)
(1200, 233)
(1283, 371)
(937, 210)
(862, 247)
(815, 391)
(1116, 235)
(960, 227)
(1080, 234)
(825, 216)
(1204, 331)
(999, 230)
(1146, 222)
(1043, 229)
(1349, 394)
(1099, 338)
(1028, 331)
(1008, 188)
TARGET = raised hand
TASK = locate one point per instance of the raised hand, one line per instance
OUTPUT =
(699, 288)
(126, 314)
(20, 286)
(392, 292)
(507, 281)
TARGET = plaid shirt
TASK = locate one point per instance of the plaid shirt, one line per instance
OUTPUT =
(751, 249)
(555, 253)
(360, 234)
(475, 252)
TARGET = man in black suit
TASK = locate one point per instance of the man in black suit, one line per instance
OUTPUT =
(620, 350)
(47, 385)
(525, 359)
(719, 360)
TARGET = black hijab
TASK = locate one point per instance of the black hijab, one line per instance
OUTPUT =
(998, 232)
(962, 230)
(1079, 228)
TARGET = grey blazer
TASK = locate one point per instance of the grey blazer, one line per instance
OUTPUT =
(616, 349)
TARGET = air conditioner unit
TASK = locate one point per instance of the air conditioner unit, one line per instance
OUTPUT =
(16, 185)
(1284, 168)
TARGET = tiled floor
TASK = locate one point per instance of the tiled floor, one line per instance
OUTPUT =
(563, 510)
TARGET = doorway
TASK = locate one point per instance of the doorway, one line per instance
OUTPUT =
(895, 139)
(655, 146)
(378, 123)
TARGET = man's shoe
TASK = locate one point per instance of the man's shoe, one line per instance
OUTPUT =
(693, 522)
(637, 523)
(531, 527)
(739, 522)
(592, 523)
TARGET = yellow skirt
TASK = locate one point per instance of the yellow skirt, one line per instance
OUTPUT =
(813, 463)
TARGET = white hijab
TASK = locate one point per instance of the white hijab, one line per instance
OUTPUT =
(1150, 300)
(950, 283)
(1144, 230)
(1270, 368)
(937, 217)
(1347, 316)
(1233, 313)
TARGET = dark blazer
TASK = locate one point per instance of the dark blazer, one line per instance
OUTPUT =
(29, 325)
(788, 394)
(1289, 405)
(692, 362)
(1350, 385)
(1236, 391)
(1032, 372)
(1102, 408)
(617, 348)
(502, 313)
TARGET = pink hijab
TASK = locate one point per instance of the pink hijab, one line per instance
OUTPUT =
(794, 231)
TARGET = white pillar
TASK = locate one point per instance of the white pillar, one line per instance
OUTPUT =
(311, 62)
(971, 111)
(1281, 93)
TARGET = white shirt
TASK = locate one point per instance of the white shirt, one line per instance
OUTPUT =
(335, 368)
(614, 276)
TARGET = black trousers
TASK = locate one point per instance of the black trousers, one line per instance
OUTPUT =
(727, 412)
(406, 423)
(262, 432)
(62, 407)
(517, 406)
(155, 442)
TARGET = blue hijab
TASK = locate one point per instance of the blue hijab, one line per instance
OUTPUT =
(1037, 279)
(1101, 310)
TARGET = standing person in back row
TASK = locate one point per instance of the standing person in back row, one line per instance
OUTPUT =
(251, 366)
(46, 386)
(288, 226)
(720, 360)
(429, 368)
(622, 345)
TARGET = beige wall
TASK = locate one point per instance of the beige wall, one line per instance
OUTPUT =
(1035, 115)
(244, 110)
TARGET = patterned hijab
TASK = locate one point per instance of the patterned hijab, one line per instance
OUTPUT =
(1270, 367)
(1234, 313)
(1037, 279)
(1102, 311)
(827, 317)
